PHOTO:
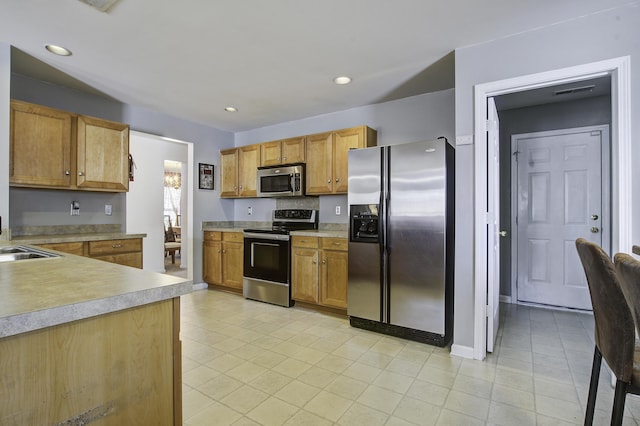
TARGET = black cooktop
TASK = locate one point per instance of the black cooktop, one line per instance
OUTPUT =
(287, 220)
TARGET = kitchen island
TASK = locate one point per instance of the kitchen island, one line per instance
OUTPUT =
(84, 341)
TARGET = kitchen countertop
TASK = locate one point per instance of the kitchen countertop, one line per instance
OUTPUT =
(39, 293)
(69, 238)
(306, 233)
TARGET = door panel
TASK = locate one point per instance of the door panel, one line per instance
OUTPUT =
(559, 191)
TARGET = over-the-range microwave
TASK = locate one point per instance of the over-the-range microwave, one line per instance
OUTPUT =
(281, 181)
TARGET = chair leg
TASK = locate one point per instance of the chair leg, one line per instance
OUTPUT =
(593, 387)
(618, 402)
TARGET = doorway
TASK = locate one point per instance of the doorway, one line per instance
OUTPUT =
(619, 70)
(174, 206)
(145, 199)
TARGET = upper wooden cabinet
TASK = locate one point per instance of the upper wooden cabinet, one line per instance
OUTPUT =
(327, 158)
(50, 148)
(285, 151)
(238, 171)
(103, 155)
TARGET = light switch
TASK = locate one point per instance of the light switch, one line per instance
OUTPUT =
(337, 210)
(108, 209)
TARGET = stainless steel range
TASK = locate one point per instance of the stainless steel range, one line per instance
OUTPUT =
(267, 256)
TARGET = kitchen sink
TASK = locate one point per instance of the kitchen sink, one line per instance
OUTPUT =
(13, 253)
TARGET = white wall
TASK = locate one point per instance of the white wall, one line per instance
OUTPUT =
(5, 89)
(587, 39)
(145, 199)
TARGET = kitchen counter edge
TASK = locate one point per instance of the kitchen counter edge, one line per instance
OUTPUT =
(72, 238)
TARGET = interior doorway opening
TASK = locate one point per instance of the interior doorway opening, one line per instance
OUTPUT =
(173, 207)
(619, 70)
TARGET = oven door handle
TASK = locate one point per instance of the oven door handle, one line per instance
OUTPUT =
(275, 237)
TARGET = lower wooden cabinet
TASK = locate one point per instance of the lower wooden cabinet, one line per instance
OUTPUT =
(127, 251)
(222, 258)
(319, 271)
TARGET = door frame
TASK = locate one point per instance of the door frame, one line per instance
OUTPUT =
(620, 71)
(605, 213)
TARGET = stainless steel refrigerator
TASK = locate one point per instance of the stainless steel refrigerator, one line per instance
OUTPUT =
(401, 234)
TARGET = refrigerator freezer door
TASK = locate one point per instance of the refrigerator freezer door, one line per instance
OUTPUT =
(364, 289)
(416, 236)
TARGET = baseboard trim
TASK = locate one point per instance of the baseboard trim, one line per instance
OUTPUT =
(462, 351)
(505, 299)
(199, 286)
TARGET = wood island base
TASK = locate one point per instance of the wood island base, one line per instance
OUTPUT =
(121, 368)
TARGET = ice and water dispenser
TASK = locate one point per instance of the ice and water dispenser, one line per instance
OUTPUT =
(364, 223)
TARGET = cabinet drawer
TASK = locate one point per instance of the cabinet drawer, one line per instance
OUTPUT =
(71, 248)
(97, 248)
(236, 237)
(300, 241)
(328, 243)
(212, 236)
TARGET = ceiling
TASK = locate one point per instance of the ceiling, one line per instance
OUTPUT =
(273, 60)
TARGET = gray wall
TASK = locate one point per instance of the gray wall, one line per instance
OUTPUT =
(586, 39)
(565, 115)
(207, 142)
(5, 84)
(412, 119)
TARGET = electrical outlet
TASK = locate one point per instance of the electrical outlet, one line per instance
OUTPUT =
(337, 210)
(249, 211)
(108, 209)
(75, 208)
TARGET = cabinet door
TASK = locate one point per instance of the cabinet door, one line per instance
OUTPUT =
(344, 140)
(40, 146)
(127, 259)
(271, 153)
(248, 170)
(293, 150)
(212, 262)
(103, 155)
(333, 278)
(304, 274)
(229, 173)
(232, 256)
(319, 164)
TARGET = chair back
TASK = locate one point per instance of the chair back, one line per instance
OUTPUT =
(628, 270)
(614, 325)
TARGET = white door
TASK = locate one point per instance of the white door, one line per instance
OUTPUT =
(559, 199)
(493, 224)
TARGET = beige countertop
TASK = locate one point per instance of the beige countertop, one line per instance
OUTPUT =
(69, 238)
(39, 293)
(307, 233)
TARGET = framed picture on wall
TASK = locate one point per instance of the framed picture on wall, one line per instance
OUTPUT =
(205, 177)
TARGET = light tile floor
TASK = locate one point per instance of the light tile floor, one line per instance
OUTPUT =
(250, 363)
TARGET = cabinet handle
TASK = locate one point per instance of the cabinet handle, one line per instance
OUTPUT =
(80, 174)
(328, 180)
(67, 172)
(224, 252)
(337, 179)
(240, 186)
(116, 245)
(314, 261)
(285, 158)
(324, 262)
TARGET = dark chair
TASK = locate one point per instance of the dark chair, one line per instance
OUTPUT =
(614, 329)
(170, 244)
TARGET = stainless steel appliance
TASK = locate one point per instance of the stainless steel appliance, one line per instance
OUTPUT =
(401, 229)
(281, 181)
(267, 256)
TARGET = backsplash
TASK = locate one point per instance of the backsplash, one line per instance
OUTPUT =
(21, 231)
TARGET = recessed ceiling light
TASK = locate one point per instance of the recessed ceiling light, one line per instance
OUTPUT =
(231, 109)
(58, 50)
(342, 80)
